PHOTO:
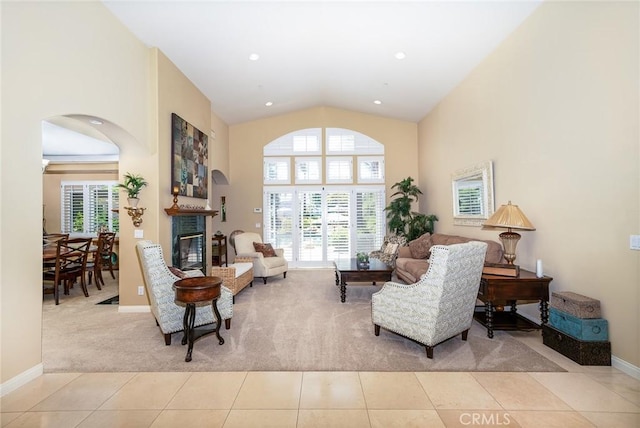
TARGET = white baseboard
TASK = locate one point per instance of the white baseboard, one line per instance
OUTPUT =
(21, 380)
(132, 309)
(625, 367)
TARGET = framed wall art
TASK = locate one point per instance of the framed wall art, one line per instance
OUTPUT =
(190, 160)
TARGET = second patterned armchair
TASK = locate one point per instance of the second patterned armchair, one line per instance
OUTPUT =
(440, 305)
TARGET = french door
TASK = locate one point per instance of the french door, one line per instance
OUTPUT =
(318, 224)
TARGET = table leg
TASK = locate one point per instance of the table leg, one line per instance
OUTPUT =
(544, 311)
(514, 308)
(218, 320)
(489, 319)
(190, 313)
(343, 291)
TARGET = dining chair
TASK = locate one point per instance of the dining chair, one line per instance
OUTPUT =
(70, 264)
(101, 258)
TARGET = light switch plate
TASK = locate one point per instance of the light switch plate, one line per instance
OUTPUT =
(257, 225)
(138, 233)
(634, 242)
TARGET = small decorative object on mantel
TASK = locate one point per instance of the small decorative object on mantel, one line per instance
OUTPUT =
(363, 259)
(223, 207)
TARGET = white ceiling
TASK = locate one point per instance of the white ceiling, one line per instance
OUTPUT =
(322, 53)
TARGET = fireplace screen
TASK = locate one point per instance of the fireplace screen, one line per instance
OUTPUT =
(191, 254)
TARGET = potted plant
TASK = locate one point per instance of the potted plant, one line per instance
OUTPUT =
(401, 220)
(363, 259)
(133, 183)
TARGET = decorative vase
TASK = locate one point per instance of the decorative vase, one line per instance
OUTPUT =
(133, 202)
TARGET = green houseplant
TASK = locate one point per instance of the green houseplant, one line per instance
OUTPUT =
(401, 220)
(133, 183)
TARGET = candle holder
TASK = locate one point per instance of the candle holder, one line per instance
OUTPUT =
(175, 192)
(135, 214)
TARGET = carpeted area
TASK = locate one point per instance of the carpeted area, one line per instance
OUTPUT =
(292, 324)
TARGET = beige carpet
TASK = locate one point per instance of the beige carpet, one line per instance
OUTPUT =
(297, 323)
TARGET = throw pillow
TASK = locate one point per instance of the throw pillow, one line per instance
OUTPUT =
(391, 248)
(266, 249)
(421, 246)
(177, 272)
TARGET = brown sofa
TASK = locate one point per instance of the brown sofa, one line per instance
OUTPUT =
(412, 261)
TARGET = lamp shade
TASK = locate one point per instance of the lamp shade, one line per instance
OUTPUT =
(509, 216)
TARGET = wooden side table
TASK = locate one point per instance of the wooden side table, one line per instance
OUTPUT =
(190, 291)
(495, 289)
(219, 250)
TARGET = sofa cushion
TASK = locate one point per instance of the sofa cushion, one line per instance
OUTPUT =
(241, 268)
(421, 246)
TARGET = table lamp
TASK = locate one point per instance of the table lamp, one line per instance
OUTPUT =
(510, 217)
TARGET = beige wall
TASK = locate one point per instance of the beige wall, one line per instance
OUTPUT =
(556, 109)
(96, 67)
(93, 66)
(176, 94)
(247, 140)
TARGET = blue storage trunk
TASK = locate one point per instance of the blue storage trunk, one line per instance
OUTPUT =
(590, 329)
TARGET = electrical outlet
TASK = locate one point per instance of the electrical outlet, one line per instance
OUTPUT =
(138, 234)
(257, 225)
(141, 290)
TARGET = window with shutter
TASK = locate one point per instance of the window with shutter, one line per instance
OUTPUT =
(329, 216)
(88, 207)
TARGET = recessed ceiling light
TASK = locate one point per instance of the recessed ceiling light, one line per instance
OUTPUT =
(400, 55)
(378, 102)
(254, 57)
(96, 122)
(268, 103)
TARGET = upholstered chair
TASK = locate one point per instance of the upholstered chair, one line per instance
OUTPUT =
(440, 305)
(159, 281)
(388, 252)
(263, 266)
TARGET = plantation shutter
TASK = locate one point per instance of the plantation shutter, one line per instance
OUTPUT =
(370, 220)
(278, 220)
(337, 221)
(87, 207)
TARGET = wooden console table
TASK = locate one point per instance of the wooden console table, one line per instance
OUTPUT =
(495, 289)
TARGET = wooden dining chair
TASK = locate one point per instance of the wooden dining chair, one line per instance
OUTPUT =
(70, 264)
(101, 258)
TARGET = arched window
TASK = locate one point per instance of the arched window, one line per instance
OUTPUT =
(324, 195)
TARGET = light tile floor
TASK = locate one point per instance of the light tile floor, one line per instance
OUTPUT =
(581, 397)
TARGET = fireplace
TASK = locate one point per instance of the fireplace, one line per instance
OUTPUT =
(191, 253)
(188, 250)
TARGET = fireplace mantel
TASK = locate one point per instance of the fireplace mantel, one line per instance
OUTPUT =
(186, 211)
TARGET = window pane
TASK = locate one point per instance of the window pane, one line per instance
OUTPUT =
(339, 170)
(88, 207)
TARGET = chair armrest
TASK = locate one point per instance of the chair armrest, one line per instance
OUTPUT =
(279, 252)
(254, 255)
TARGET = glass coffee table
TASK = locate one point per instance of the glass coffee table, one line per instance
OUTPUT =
(348, 271)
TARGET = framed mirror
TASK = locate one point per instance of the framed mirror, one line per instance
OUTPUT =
(473, 200)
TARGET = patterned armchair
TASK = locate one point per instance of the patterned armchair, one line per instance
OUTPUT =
(440, 305)
(159, 281)
(388, 252)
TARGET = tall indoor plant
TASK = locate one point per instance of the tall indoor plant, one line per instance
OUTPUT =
(133, 183)
(401, 220)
